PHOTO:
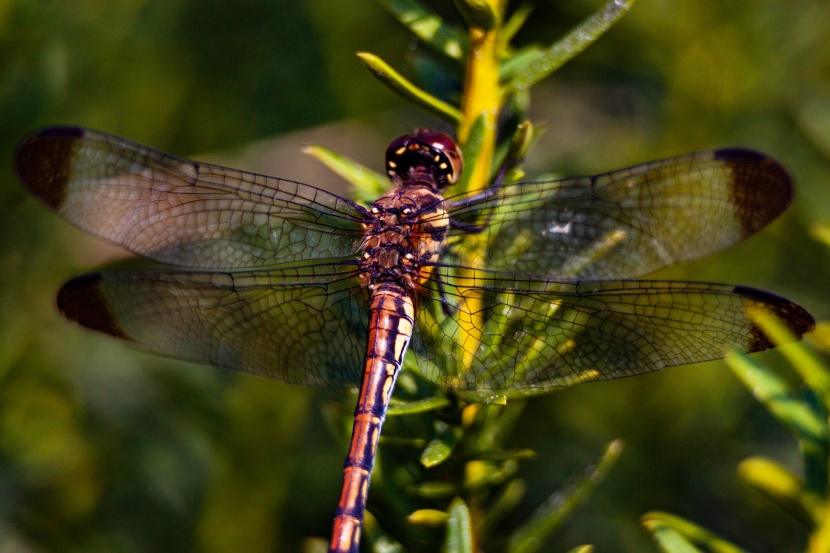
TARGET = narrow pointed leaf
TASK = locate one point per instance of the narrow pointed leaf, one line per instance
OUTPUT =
(552, 58)
(408, 90)
(582, 549)
(783, 488)
(435, 490)
(815, 455)
(515, 22)
(668, 539)
(692, 532)
(459, 528)
(780, 399)
(421, 406)
(505, 503)
(369, 185)
(815, 373)
(549, 517)
(429, 27)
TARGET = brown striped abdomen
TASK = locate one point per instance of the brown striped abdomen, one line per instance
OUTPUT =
(391, 317)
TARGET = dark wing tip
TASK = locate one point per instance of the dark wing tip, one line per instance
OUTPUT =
(82, 301)
(797, 319)
(43, 161)
(761, 188)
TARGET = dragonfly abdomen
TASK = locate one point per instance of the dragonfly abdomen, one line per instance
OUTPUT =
(391, 319)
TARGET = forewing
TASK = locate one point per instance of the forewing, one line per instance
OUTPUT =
(305, 325)
(509, 334)
(625, 223)
(180, 212)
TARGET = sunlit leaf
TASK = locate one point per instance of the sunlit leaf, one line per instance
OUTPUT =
(414, 407)
(780, 399)
(668, 539)
(394, 80)
(525, 72)
(429, 27)
(783, 488)
(692, 532)
(368, 184)
(815, 373)
(428, 517)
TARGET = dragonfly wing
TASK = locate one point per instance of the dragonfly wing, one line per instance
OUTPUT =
(305, 325)
(629, 222)
(180, 212)
(535, 334)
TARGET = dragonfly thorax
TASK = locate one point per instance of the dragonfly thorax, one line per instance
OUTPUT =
(404, 232)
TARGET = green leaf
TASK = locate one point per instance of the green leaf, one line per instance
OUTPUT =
(479, 13)
(429, 27)
(780, 399)
(519, 145)
(435, 490)
(582, 549)
(668, 539)
(507, 501)
(815, 455)
(369, 184)
(472, 148)
(414, 407)
(820, 539)
(479, 474)
(783, 488)
(696, 534)
(459, 528)
(531, 536)
(493, 424)
(820, 230)
(513, 24)
(394, 80)
(428, 517)
(814, 372)
(528, 72)
(441, 447)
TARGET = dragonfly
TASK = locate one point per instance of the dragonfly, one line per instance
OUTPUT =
(518, 288)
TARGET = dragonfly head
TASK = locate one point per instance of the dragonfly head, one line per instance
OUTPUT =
(425, 152)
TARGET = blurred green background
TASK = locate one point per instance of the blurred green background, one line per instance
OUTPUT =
(104, 448)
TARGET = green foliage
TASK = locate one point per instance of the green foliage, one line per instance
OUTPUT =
(805, 414)
(107, 449)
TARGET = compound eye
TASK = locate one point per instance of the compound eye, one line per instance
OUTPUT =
(442, 143)
(426, 151)
(395, 153)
